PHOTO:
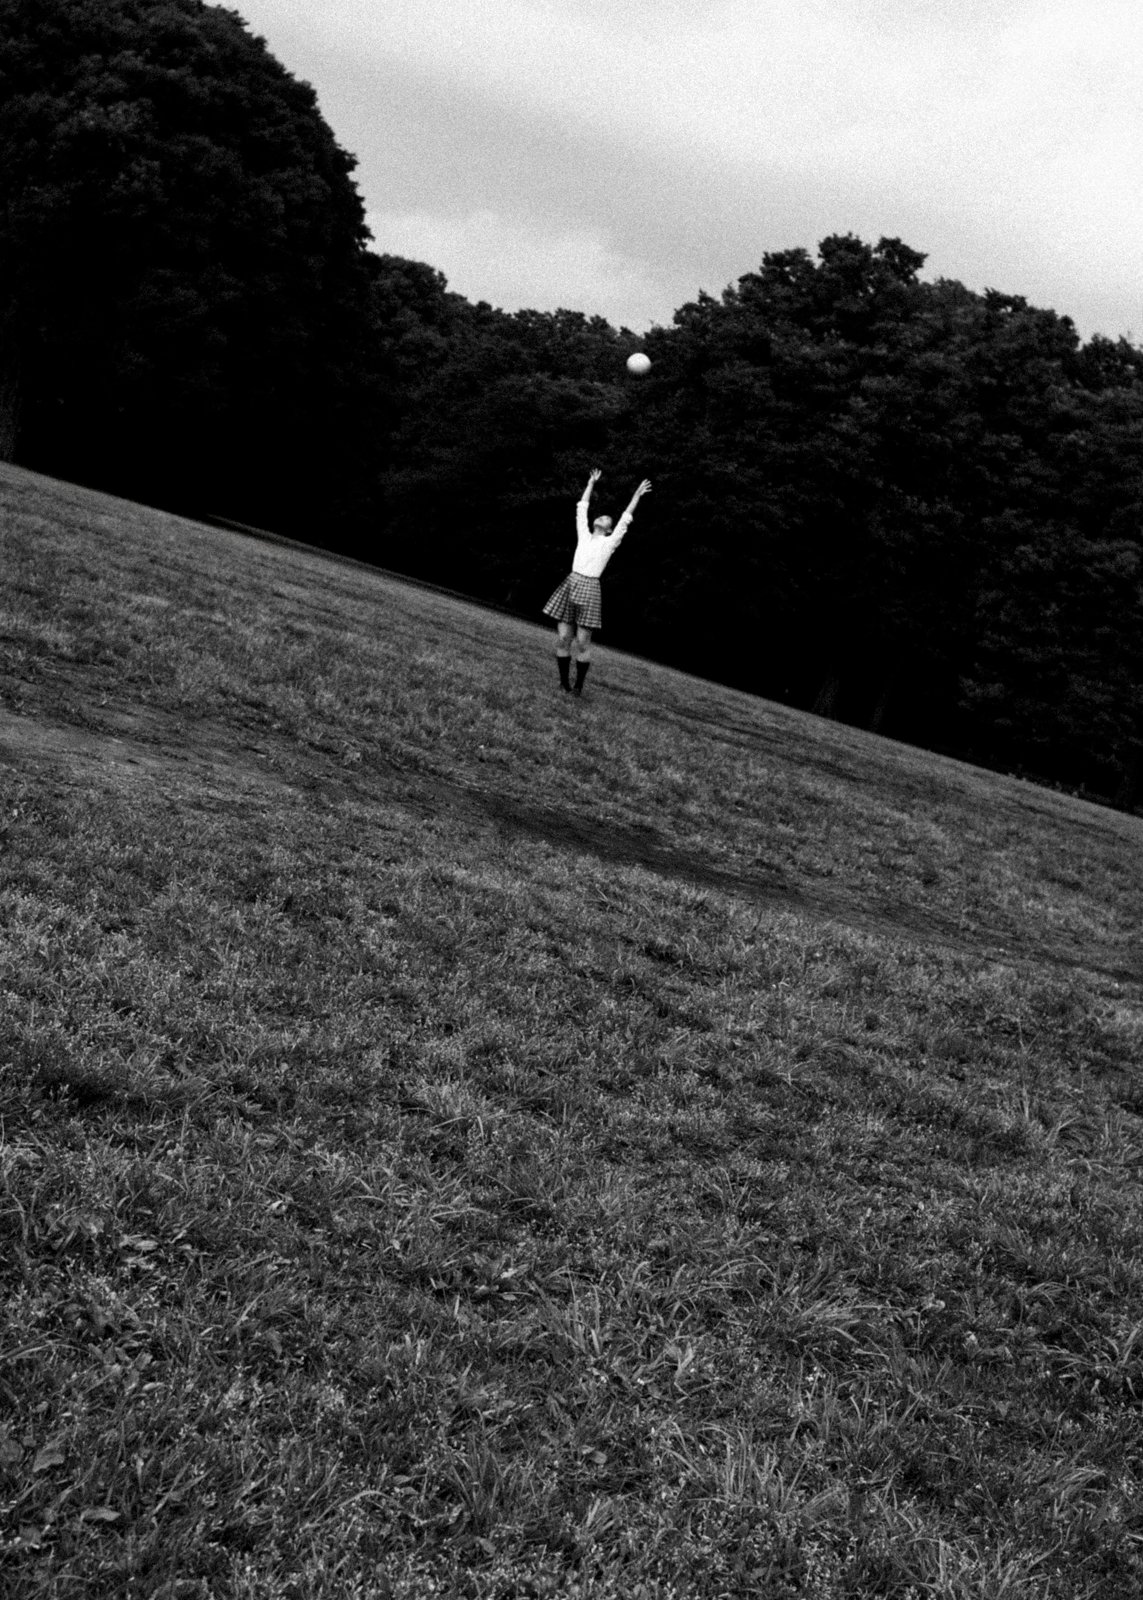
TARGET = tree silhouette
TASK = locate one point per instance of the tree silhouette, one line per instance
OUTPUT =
(183, 295)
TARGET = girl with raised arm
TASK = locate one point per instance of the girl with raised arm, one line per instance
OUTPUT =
(576, 604)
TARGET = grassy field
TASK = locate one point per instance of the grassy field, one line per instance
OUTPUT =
(458, 1140)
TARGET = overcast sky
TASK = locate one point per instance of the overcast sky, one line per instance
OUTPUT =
(615, 156)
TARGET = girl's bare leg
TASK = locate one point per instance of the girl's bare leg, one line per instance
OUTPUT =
(564, 635)
(583, 652)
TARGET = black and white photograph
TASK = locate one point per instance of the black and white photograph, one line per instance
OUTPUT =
(571, 800)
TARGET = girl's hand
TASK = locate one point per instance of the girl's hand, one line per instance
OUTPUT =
(644, 488)
(596, 474)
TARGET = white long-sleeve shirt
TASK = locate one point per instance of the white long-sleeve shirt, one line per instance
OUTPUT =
(594, 550)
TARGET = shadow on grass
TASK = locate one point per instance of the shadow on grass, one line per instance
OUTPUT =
(205, 756)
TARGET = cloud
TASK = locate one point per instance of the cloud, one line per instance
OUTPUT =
(514, 263)
(677, 142)
(825, 81)
(675, 222)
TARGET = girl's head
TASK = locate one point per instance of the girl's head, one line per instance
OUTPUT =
(602, 525)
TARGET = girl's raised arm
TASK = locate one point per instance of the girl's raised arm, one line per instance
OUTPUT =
(644, 488)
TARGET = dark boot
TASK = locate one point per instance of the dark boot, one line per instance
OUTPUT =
(564, 665)
(582, 668)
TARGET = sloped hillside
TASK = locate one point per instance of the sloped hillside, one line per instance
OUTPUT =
(459, 1140)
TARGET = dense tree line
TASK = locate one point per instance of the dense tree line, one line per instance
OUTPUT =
(183, 278)
(896, 502)
(899, 503)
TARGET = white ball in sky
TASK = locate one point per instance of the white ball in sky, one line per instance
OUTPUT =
(639, 364)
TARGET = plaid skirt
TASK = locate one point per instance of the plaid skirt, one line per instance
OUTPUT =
(578, 600)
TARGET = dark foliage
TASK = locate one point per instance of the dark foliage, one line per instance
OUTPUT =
(899, 503)
(183, 296)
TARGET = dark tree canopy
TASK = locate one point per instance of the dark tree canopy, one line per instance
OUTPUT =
(181, 253)
(496, 421)
(897, 502)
